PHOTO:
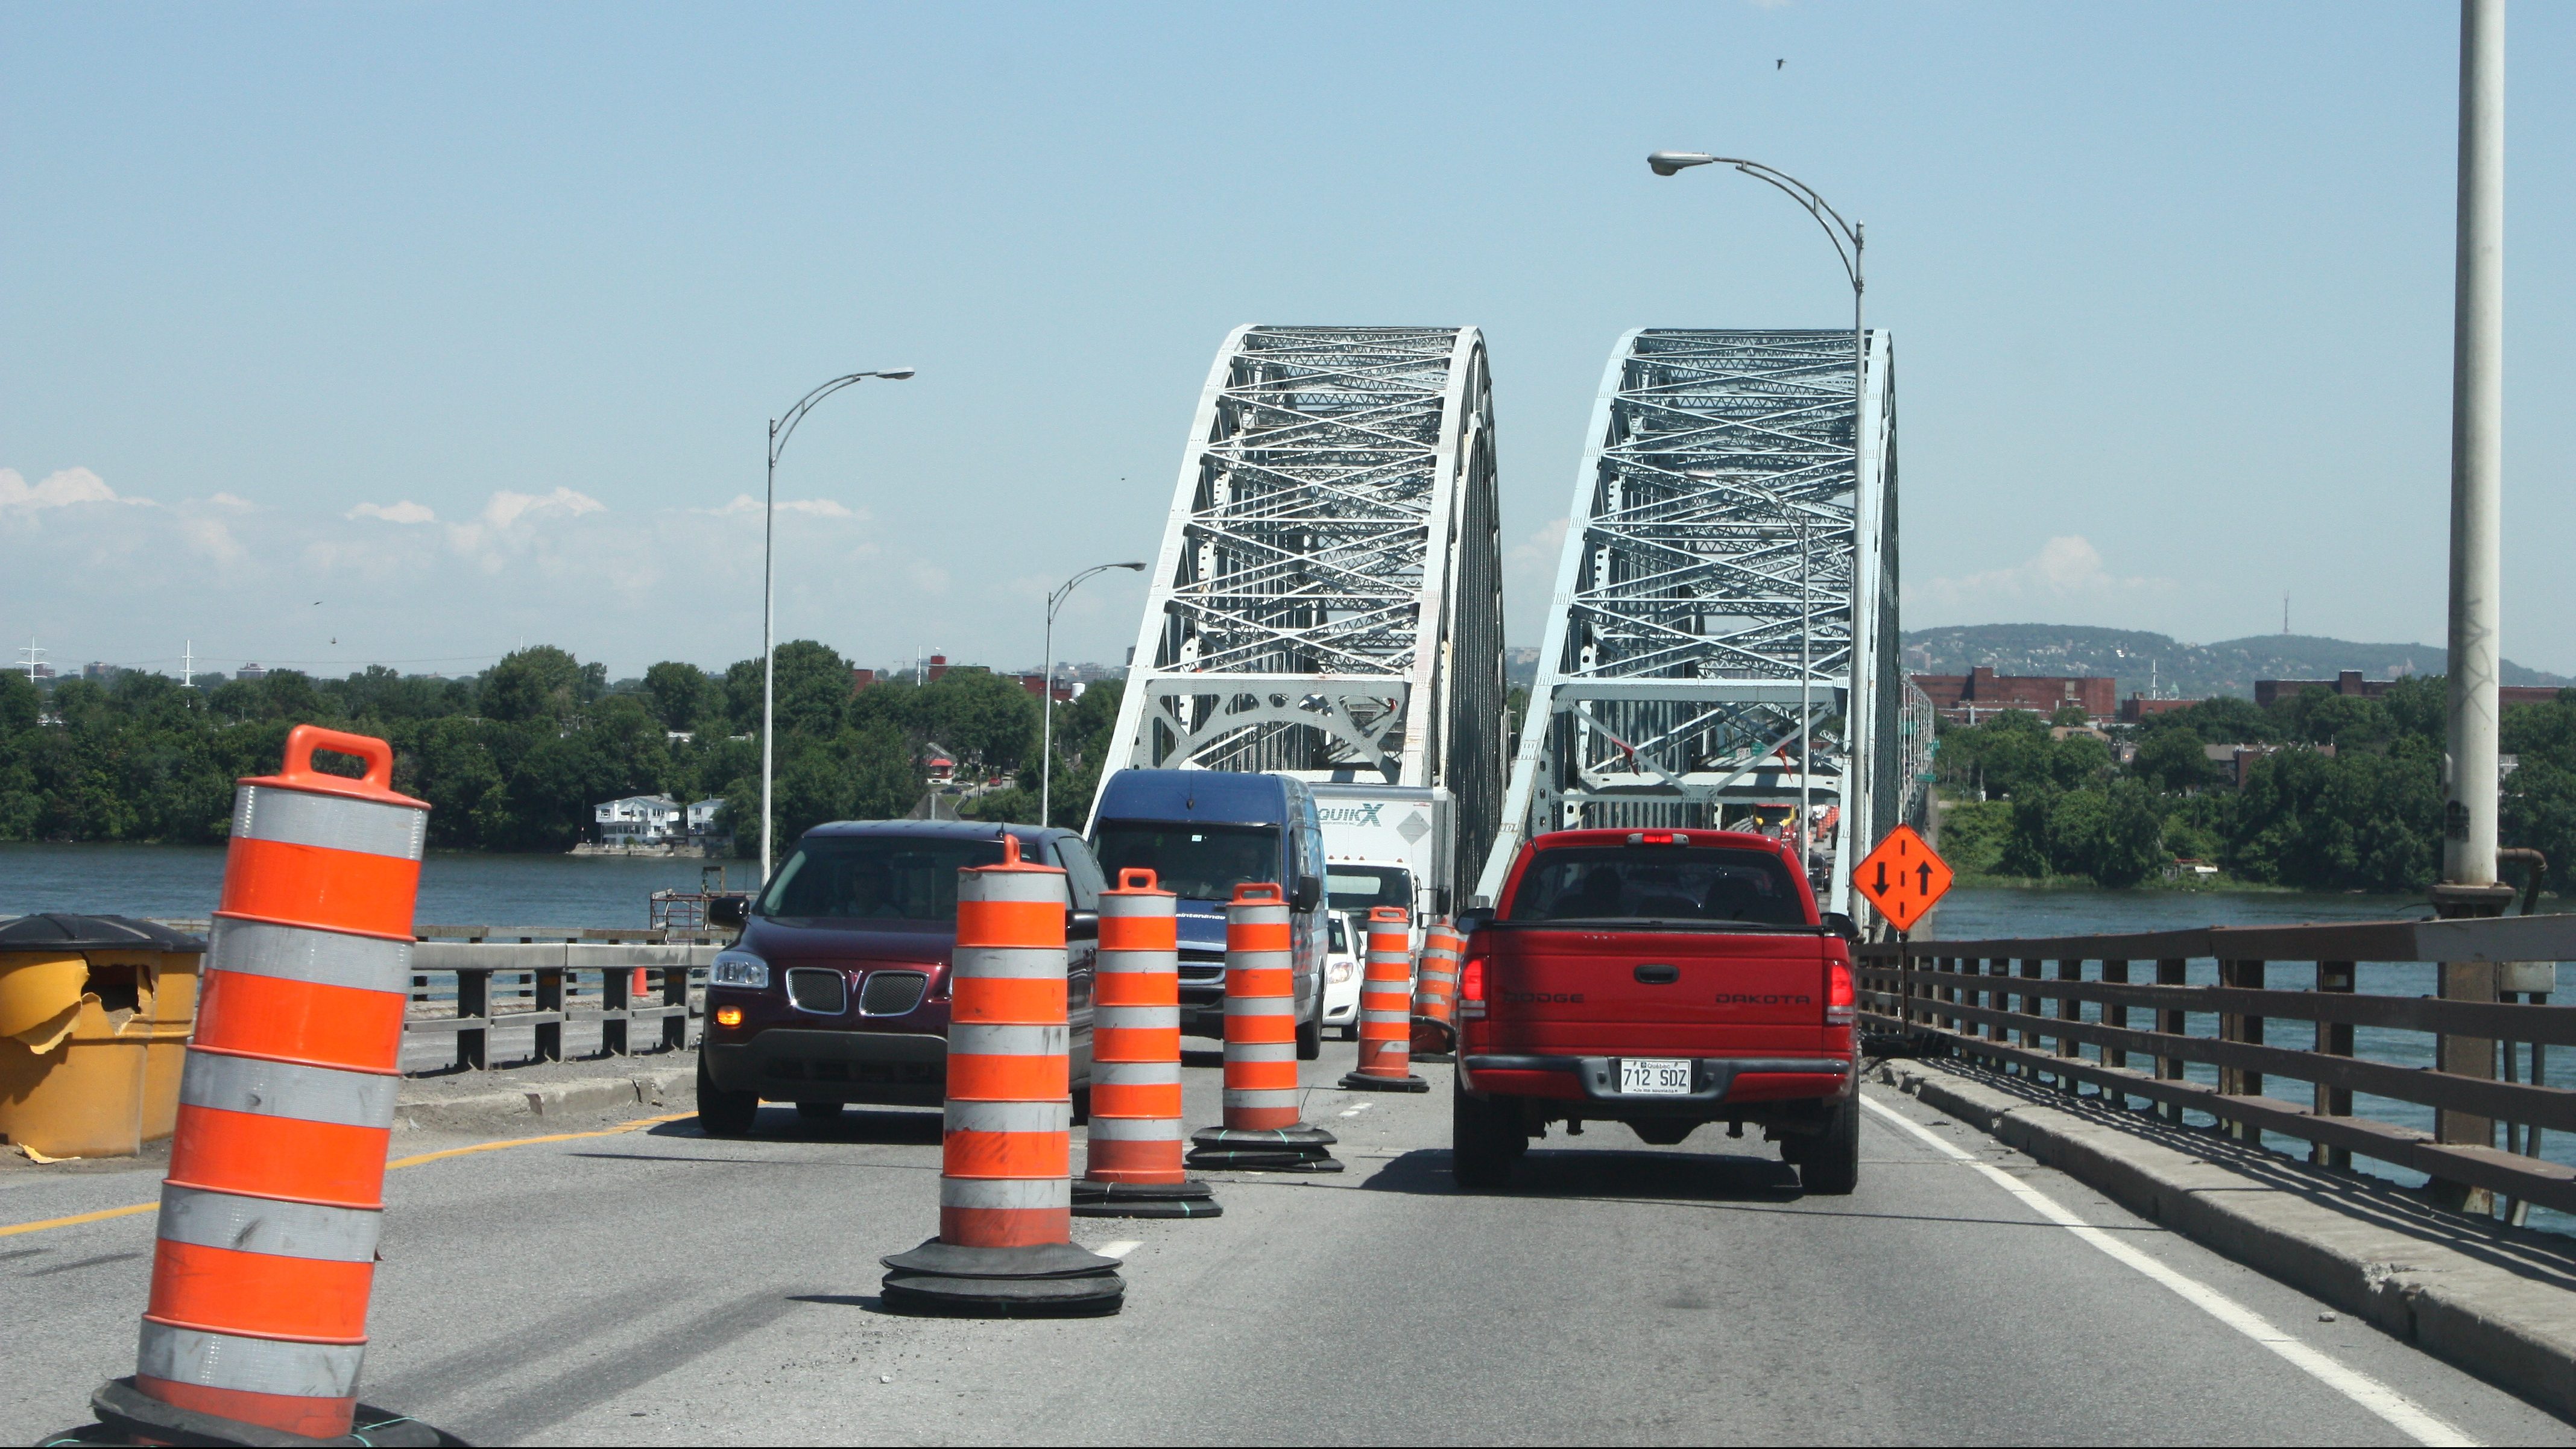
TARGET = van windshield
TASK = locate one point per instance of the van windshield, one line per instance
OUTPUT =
(1358, 887)
(1203, 862)
(875, 878)
(1658, 883)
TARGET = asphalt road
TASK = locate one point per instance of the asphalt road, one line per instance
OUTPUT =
(651, 1286)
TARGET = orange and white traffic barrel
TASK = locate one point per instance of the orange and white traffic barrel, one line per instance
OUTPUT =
(1005, 1171)
(1435, 992)
(1262, 1127)
(257, 1320)
(1132, 1163)
(1386, 1032)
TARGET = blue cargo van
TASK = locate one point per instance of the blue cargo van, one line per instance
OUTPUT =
(1202, 833)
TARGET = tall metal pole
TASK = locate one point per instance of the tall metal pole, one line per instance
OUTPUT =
(780, 430)
(768, 650)
(1046, 696)
(1046, 720)
(2477, 427)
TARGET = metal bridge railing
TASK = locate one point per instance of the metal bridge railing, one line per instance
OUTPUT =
(2066, 1011)
(469, 981)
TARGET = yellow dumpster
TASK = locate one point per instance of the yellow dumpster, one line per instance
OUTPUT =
(95, 1013)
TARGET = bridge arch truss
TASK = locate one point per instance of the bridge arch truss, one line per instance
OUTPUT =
(1730, 566)
(1328, 597)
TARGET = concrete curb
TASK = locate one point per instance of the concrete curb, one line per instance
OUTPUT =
(2492, 1301)
(551, 1099)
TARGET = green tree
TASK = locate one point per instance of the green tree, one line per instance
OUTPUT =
(989, 720)
(541, 685)
(682, 696)
(2174, 759)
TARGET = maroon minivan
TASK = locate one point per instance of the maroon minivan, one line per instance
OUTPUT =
(837, 991)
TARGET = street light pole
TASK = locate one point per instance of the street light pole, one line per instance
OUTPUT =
(1046, 692)
(2477, 428)
(780, 429)
(1849, 239)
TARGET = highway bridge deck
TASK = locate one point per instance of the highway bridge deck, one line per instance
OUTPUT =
(654, 1286)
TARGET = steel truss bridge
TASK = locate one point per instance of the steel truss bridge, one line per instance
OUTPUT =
(1729, 574)
(1328, 599)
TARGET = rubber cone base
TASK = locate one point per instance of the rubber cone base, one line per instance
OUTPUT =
(1049, 1280)
(1363, 1082)
(1433, 1039)
(1192, 1199)
(1280, 1149)
(127, 1415)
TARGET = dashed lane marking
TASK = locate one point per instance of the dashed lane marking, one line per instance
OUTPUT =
(1119, 1249)
(2408, 1416)
(1362, 1107)
(104, 1214)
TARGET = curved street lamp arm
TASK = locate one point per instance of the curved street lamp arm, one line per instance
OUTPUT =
(1844, 236)
(1056, 599)
(781, 429)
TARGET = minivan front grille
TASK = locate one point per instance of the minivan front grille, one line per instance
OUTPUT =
(1202, 966)
(821, 990)
(891, 993)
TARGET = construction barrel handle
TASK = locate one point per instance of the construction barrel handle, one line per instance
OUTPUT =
(1264, 891)
(304, 739)
(1135, 878)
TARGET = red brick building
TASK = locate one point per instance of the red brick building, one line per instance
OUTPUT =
(2351, 682)
(2138, 707)
(1981, 692)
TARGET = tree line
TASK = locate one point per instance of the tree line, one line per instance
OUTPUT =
(2349, 796)
(514, 759)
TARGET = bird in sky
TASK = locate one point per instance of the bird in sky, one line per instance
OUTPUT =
(1779, 64)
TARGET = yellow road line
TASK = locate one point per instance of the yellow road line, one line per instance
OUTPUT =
(76, 1219)
(103, 1214)
(533, 1141)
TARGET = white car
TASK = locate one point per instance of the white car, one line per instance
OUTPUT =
(1342, 972)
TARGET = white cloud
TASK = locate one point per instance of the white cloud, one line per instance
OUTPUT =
(59, 490)
(744, 503)
(405, 511)
(507, 507)
(231, 500)
(2067, 568)
(209, 536)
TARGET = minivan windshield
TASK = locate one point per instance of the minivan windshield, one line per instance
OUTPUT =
(875, 878)
(1203, 862)
(1662, 883)
(1358, 887)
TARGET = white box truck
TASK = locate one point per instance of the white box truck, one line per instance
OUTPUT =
(1377, 830)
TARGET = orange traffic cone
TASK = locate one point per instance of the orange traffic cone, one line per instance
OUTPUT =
(1005, 1190)
(1261, 1130)
(1435, 993)
(1132, 1168)
(1385, 1034)
(256, 1324)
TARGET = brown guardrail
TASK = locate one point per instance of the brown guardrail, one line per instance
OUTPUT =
(2020, 1004)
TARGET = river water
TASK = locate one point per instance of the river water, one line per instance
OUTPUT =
(575, 892)
(456, 889)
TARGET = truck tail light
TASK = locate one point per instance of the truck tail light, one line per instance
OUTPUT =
(1841, 1004)
(1471, 987)
(1657, 837)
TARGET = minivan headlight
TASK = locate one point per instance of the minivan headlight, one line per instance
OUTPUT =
(738, 968)
(1341, 972)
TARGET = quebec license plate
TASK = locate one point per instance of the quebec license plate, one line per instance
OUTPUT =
(1655, 1076)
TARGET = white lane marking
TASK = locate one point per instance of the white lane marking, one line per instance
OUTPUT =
(1362, 1107)
(1119, 1249)
(2361, 1388)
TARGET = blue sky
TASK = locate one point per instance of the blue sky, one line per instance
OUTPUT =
(409, 333)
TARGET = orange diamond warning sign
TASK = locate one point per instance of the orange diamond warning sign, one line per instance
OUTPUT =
(1903, 877)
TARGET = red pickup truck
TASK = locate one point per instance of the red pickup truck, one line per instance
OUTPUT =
(1664, 979)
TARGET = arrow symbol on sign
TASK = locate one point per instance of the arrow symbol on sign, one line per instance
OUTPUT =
(1882, 878)
(1926, 870)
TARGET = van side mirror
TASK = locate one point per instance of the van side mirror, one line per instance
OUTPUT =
(1842, 925)
(1310, 894)
(732, 911)
(1471, 921)
(1081, 925)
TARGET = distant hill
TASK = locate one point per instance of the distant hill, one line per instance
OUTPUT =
(2191, 671)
